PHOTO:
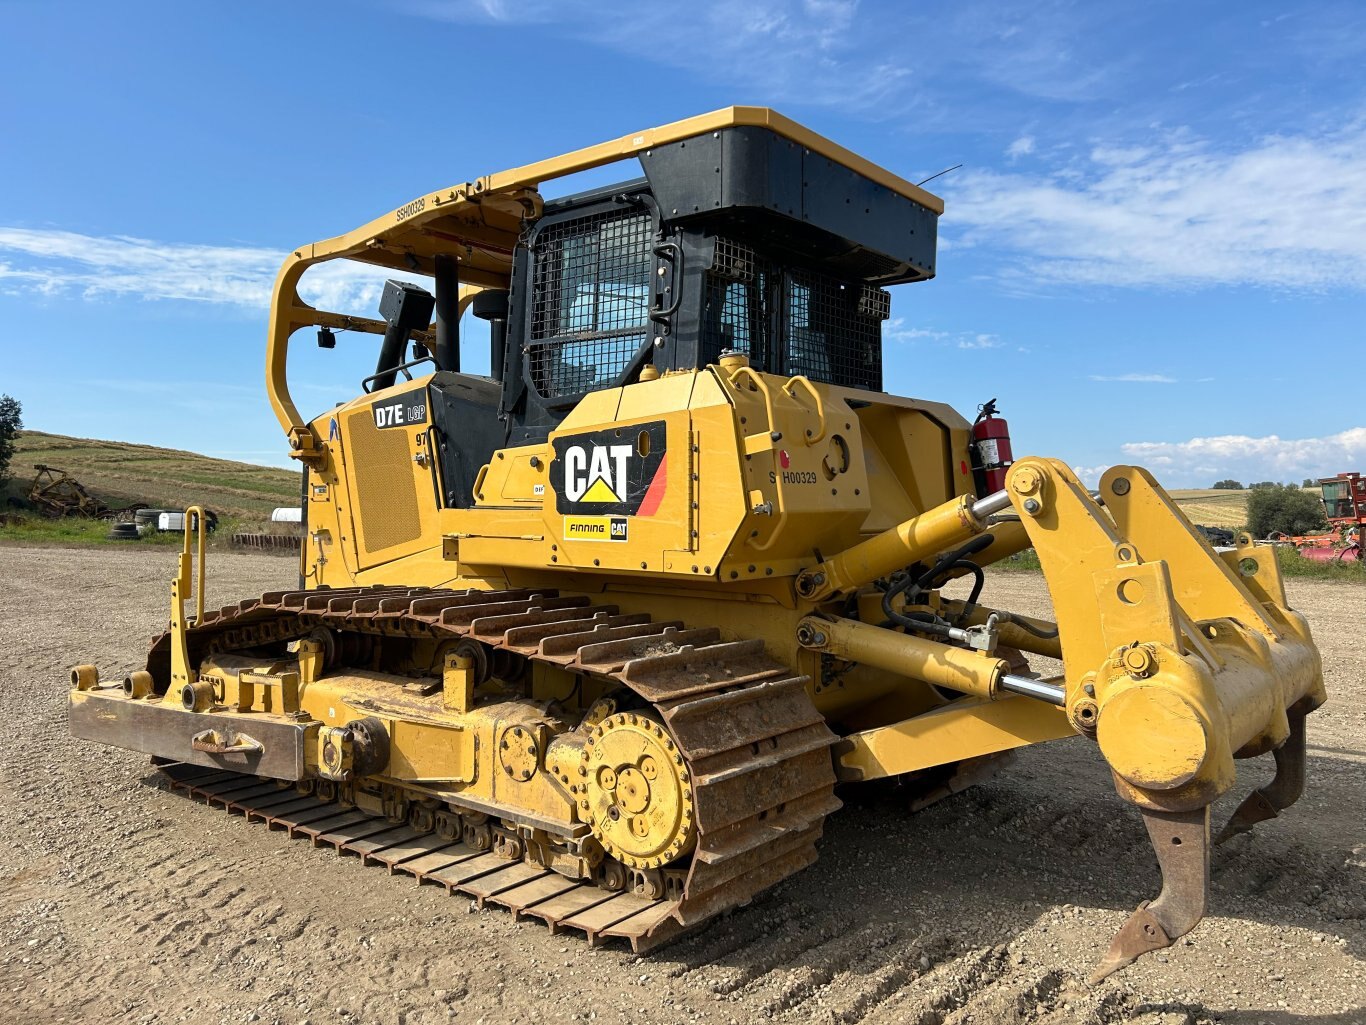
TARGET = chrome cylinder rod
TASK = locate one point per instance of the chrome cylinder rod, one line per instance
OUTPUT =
(1030, 687)
(991, 505)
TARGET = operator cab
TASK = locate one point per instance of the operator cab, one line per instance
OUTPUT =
(739, 239)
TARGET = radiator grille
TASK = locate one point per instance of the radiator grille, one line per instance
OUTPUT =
(590, 314)
(386, 494)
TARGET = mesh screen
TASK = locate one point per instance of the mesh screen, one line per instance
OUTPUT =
(388, 496)
(733, 260)
(827, 338)
(592, 297)
(735, 316)
(833, 329)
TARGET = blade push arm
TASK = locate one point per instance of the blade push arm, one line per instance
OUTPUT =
(1176, 661)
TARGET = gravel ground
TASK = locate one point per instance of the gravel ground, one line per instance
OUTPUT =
(122, 902)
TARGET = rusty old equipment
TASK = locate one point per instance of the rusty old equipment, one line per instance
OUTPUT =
(596, 636)
(1344, 507)
(55, 493)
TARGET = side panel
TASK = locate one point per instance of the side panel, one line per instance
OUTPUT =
(465, 431)
(388, 475)
(728, 476)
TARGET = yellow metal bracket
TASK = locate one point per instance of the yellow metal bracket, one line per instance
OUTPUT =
(962, 729)
(1176, 659)
(1146, 516)
(1074, 541)
(182, 672)
(261, 689)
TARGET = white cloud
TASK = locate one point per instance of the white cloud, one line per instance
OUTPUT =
(809, 51)
(1089, 475)
(1021, 147)
(1136, 378)
(1244, 458)
(897, 332)
(52, 262)
(980, 342)
(1178, 212)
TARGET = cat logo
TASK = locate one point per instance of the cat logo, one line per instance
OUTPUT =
(596, 473)
(617, 472)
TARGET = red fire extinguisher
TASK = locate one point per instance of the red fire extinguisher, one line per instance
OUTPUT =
(991, 455)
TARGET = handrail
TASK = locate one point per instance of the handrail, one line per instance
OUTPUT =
(403, 368)
(198, 513)
(182, 673)
(815, 394)
(759, 384)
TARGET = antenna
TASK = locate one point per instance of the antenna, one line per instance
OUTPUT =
(945, 171)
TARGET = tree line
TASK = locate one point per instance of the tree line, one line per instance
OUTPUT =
(1284, 508)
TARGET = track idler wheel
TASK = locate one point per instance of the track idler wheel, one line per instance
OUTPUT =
(635, 792)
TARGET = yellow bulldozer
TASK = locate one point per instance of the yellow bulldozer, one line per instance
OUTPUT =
(599, 637)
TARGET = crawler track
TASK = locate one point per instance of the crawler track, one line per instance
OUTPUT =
(526, 889)
(755, 746)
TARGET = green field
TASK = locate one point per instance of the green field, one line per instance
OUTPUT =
(120, 474)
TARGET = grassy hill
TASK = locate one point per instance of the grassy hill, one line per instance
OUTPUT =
(120, 474)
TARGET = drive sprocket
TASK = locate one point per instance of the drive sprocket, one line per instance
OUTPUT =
(637, 792)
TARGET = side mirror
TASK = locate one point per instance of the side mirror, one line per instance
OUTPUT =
(405, 308)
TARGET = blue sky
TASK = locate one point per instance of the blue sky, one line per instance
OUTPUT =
(1155, 251)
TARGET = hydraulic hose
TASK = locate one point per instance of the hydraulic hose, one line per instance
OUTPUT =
(912, 586)
(1030, 628)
